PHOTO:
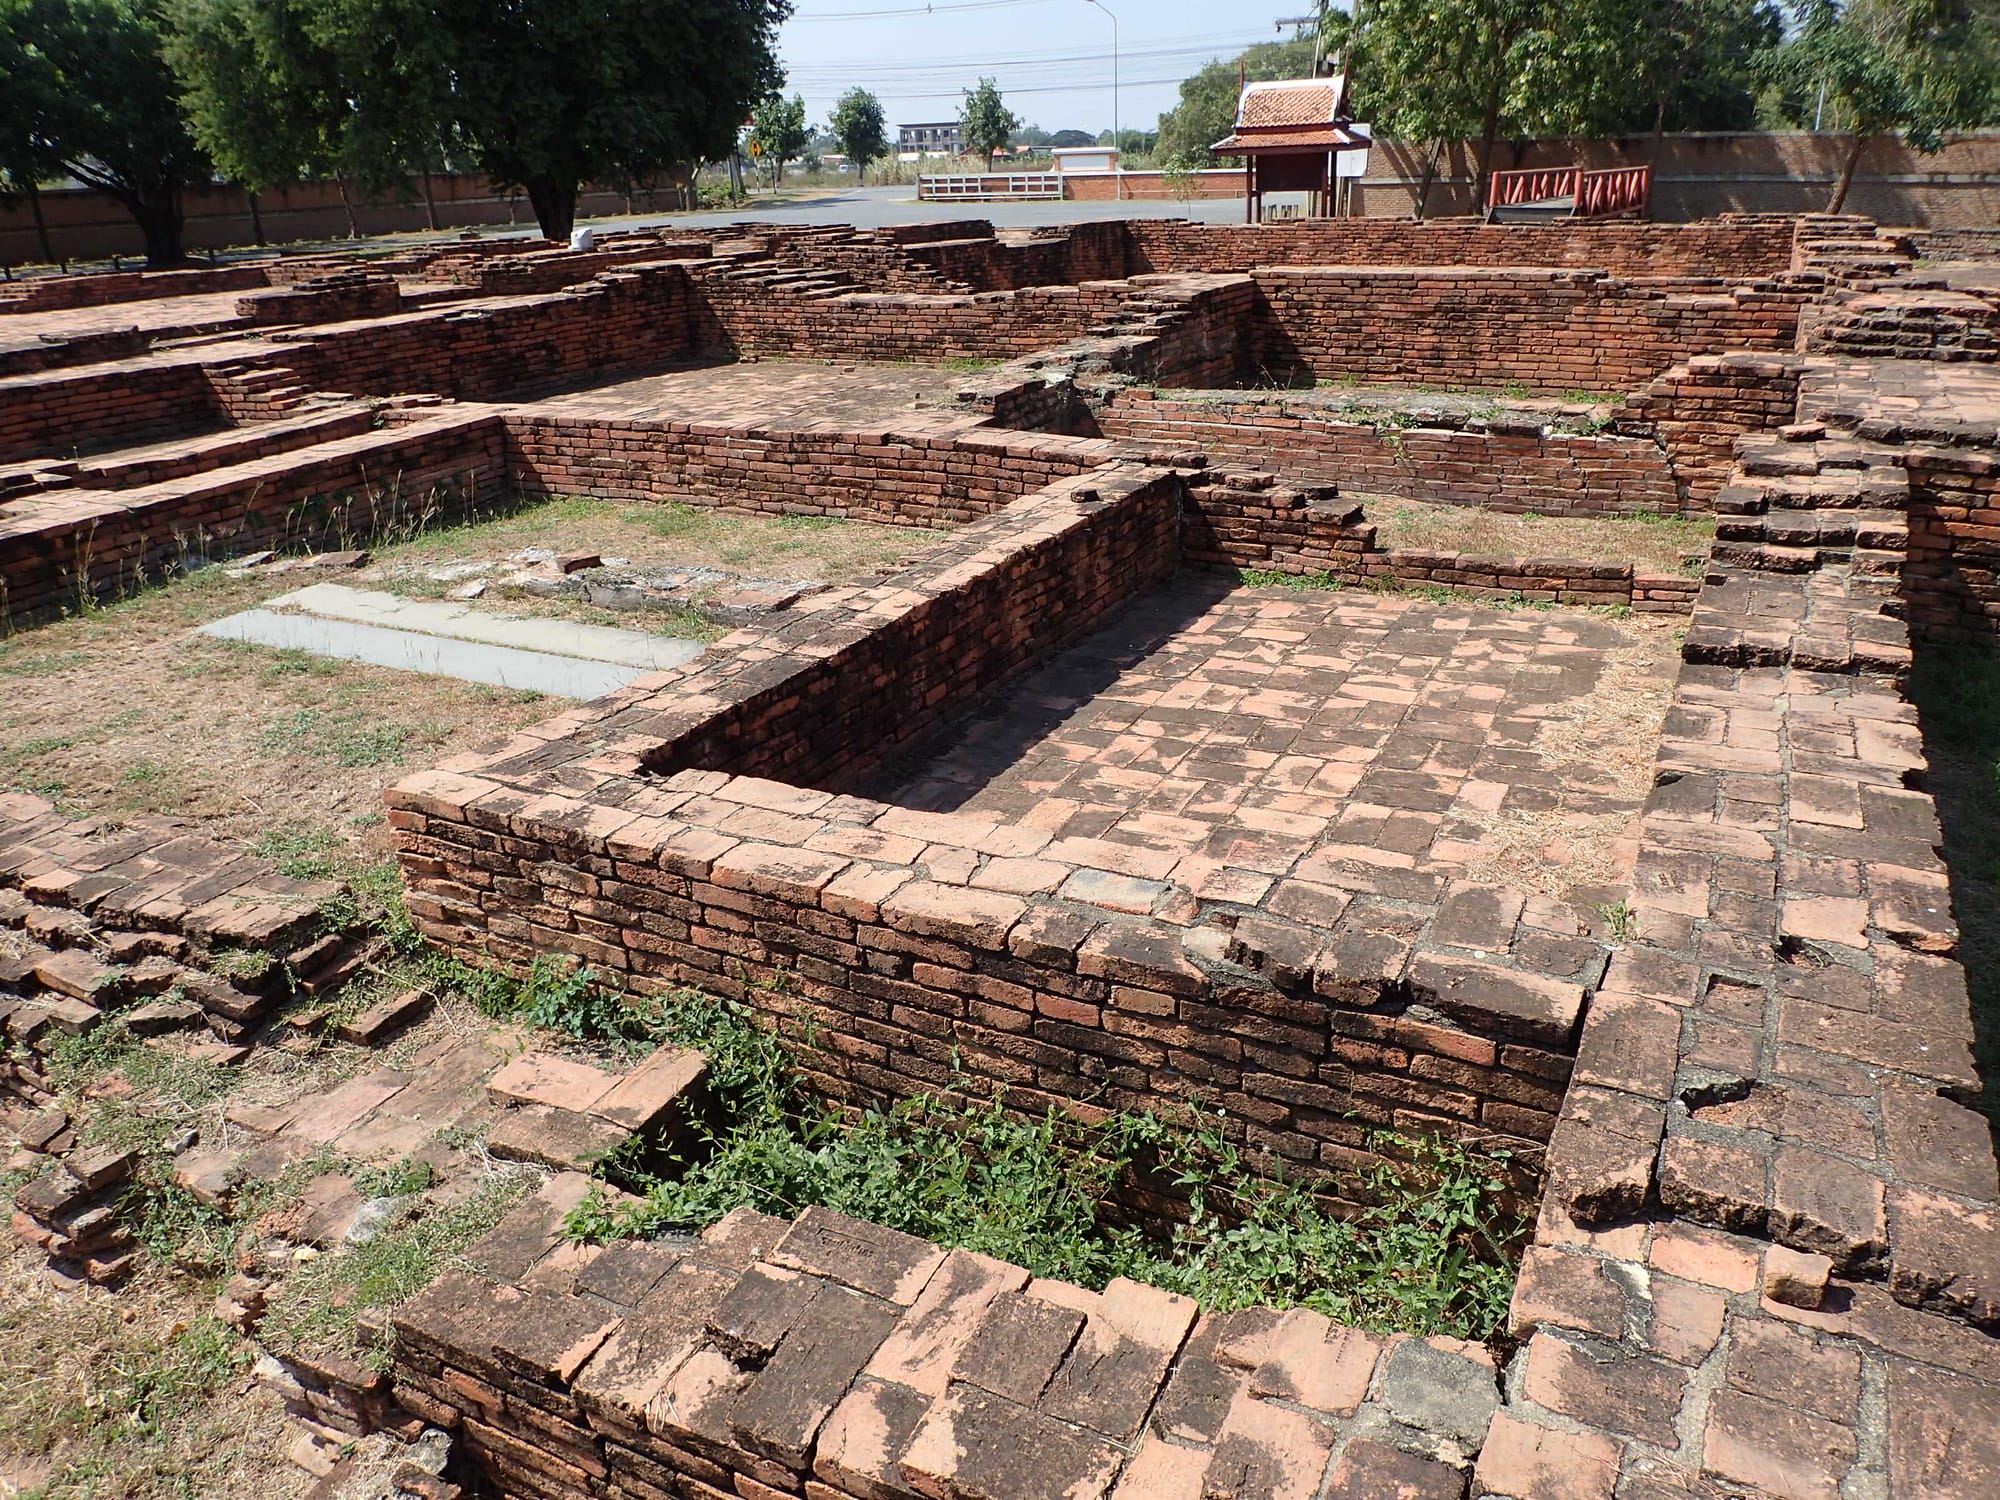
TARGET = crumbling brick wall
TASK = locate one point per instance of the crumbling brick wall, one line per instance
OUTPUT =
(934, 471)
(57, 293)
(104, 406)
(339, 297)
(1698, 409)
(1512, 461)
(1549, 330)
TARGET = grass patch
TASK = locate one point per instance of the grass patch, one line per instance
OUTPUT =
(319, 1305)
(1435, 1254)
(1957, 693)
(1272, 578)
(349, 741)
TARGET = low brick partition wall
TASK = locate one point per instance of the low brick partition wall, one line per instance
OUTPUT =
(66, 547)
(830, 1359)
(338, 297)
(51, 353)
(58, 293)
(1509, 461)
(1747, 247)
(1552, 330)
(1247, 521)
(926, 470)
(51, 415)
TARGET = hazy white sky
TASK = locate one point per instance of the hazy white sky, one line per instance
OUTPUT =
(1052, 57)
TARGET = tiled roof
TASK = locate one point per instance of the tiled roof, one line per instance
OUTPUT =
(1298, 101)
(1322, 137)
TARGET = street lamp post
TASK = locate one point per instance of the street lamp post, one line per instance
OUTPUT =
(1117, 171)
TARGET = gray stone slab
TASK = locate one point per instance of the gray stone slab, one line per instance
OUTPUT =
(410, 651)
(631, 648)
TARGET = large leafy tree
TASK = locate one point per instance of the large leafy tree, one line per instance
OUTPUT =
(1918, 68)
(90, 93)
(545, 95)
(26, 158)
(985, 123)
(1206, 111)
(861, 128)
(778, 132)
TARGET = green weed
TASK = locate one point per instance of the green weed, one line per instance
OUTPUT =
(1272, 578)
(1432, 1255)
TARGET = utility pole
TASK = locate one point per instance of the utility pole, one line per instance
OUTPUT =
(1118, 172)
(1318, 23)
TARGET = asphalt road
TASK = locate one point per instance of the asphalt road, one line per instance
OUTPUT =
(874, 207)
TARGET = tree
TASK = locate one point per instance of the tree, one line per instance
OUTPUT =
(545, 95)
(25, 158)
(858, 124)
(1207, 108)
(1914, 67)
(778, 132)
(1062, 140)
(985, 123)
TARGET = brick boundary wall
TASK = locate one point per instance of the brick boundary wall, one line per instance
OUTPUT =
(1550, 330)
(352, 486)
(1510, 461)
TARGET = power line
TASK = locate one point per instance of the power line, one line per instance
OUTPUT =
(916, 10)
(1082, 66)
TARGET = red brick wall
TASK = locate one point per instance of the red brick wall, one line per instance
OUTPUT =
(1952, 578)
(54, 293)
(1730, 249)
(1510, 463)
(938, 473)
(337, 298)
(1551, 331)
(1699, 409)
(1031, 582)
(51, 416)
(346, 489)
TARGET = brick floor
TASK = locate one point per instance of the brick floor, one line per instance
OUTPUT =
(1354, 734)
(815, 393)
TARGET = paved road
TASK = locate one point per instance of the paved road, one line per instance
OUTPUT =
(873, 207)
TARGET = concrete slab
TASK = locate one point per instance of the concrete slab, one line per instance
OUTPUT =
(631, 648)
(409, 651)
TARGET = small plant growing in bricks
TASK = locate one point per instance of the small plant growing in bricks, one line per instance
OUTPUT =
(1432, 1253)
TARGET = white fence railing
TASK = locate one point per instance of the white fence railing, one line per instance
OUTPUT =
(993, 185)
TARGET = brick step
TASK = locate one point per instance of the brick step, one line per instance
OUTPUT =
(1885, 531)
(1762, 557)
(162, 461)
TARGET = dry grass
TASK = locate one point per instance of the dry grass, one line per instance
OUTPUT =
(138, 1394)
(123, 710)
(1653, 544)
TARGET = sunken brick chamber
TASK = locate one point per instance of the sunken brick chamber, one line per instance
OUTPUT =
(1764, 1261)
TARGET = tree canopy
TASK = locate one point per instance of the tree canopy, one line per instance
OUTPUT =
(1207, 108)
(861, 128)
(89, 92)
(985, 123)
(778, 131)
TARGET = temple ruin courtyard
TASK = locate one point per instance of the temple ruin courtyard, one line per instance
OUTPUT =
(1342, 695)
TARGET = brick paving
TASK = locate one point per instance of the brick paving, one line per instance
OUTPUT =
(791, 392)
(1257, 727)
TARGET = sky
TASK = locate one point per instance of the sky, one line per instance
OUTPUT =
(1052, 58)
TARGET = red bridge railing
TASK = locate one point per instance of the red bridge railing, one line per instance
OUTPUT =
(1612, 190)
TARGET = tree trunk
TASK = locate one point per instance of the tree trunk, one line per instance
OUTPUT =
(1847, 172)
(41, 225)
(157, 212)
(1489, 132)
(1430, 176)
(347, 207)
(430, 201)
(256, 216)
(555, 207)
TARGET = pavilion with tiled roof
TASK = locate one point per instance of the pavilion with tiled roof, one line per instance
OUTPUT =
(1288, 132)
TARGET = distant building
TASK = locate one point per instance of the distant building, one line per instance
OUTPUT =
(940, 139)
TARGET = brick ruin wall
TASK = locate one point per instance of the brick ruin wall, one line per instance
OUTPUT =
(800, 898)
(1551, 331)
(939, 472)
(353, 487)
(1509, 462)
(56, 293)
(339, 297)
(107, 406)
